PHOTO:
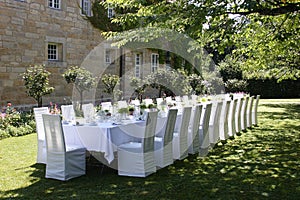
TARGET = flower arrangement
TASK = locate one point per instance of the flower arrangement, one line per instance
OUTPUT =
(53, 108)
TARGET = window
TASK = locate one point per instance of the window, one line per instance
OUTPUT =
(107, 57)
(52, 51)
(54, 4)
(110, 12)
(55, 51)
(154, 62)
(86, 7)
(138, 63)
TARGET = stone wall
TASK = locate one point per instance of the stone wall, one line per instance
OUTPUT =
(26, 28)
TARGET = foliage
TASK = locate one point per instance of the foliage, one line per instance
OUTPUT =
(236, 85)
(264, 35)
(82, 79)
(170, 82)
(110, 81)
(139, 86)
(37, 82)
(230, 69)
(199, 86)
(16, 124)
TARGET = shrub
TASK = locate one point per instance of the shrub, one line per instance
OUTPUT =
(235, 85)
(17, 124)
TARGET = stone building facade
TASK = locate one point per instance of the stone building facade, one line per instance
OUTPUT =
(56, 34)
(53, 33)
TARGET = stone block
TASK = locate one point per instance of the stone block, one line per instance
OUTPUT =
(32, 35)
(18, 69)
(18, 21)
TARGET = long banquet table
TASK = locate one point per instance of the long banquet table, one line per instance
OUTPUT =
(106, 137)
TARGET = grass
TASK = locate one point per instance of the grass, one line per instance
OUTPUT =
(262, 163)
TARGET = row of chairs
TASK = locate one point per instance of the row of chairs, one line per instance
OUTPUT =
(199, 130)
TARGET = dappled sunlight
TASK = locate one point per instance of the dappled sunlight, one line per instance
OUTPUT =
(260, 163)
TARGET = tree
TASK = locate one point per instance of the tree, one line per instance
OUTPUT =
(250, 29)
(36, 80)
(81, 78)
(110, 82)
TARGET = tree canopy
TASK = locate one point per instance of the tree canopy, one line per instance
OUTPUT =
(258, 35)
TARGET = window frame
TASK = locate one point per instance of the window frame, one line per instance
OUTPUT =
(154, 65)
(56, 54)
(54, 3)
(110, 12)
(107, 56)
(86, 4)
(137, 65)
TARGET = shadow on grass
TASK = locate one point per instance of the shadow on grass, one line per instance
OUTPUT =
(262, 163)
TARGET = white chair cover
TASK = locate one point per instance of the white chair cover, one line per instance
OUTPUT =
(163, 145)
(231, 118)
(148, 102)
(41, 142)
(214, 122)
(159, 102)
(249, 112)
(68, 113)
(185, 100)
(193, 134)
(223, 125)
(107, 106)
(135, 102)
(238, 113)
(137, 158)
(254, 111)
(122, 104)
(204, 131)
(169, 100)
(177, 98)
(244, 114)
(88, 112)
(180, 139)
(63, 162)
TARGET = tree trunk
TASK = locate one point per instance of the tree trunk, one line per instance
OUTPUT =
(40, 101)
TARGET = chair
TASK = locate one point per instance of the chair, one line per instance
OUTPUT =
(63, 161)
(193, 133)
(148, 102)
(249, 112)
(88, 112)
(185, 100)
(254, 111)
(177, 98)
(180, 139)
(68, 113)
(223, 125)
(41, 142)
(204, 131)
(137, 158)
(122, 104)
(159, 102)
(107, 106)
(135, 102)
(214, 121)
(238, 114)
(231, 118)
(244, 114)
(163, 145)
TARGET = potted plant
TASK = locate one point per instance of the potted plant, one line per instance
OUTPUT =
(131, 110)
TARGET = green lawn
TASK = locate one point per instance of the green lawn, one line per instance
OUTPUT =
(262, 163)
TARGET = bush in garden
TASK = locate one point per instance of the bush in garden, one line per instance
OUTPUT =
(235, 85)
(17, 124)
(37, 83)
(82, 79)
